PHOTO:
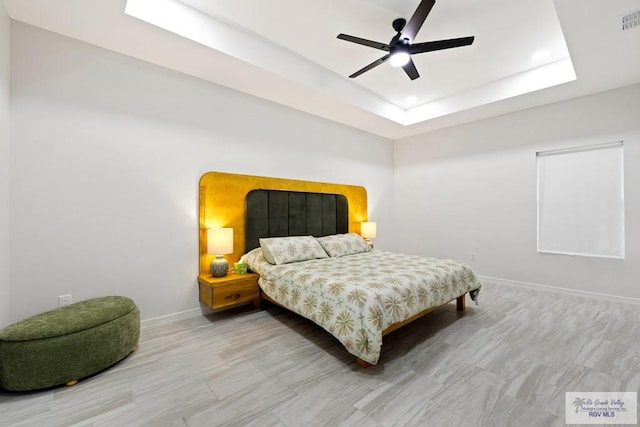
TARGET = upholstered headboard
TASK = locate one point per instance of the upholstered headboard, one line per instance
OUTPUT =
(222, 203)
(277, 213)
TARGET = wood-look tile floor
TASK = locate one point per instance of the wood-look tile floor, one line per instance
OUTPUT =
(505, 362)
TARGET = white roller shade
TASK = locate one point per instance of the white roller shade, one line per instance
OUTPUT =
(581, 201)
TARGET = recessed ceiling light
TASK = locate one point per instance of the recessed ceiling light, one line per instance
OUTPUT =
(540, 55)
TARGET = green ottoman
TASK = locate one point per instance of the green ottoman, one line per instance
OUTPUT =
(63, 345)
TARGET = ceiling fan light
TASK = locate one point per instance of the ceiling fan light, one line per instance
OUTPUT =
(398, 59)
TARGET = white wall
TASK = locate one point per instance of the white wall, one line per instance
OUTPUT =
(106, 156)
(4, 164)
(472, 188)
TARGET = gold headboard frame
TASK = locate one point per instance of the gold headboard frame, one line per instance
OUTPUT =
(222, 204)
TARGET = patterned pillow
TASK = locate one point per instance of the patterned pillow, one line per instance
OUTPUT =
(283, 250)
(252, 258)
(344, 244)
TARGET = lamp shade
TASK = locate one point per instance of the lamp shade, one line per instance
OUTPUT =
(219, 241)
(368, 230)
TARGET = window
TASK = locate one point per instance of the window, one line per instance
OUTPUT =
(581, 201)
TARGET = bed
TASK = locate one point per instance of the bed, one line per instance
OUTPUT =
(372, 281)
(310, 263)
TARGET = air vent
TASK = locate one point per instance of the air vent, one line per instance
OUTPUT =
(631, 20)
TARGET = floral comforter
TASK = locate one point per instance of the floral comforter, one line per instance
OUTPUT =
(356, 297)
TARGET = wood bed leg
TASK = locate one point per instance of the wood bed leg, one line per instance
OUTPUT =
(461, 303)
(361, 363)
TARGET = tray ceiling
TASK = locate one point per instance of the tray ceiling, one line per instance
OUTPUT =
(524, 54)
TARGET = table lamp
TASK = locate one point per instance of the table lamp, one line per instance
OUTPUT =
(219, 243)
(368, 231)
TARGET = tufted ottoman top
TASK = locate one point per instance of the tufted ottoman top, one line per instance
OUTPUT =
(67, 320)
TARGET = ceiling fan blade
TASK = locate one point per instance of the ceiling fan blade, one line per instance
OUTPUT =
(370, 66)
(411, 70)
(365, 42)
(440, 45)
(415, 23)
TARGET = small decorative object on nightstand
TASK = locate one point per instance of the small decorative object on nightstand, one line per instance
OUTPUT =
(219, 243)
(232, 289)
(368, 231)
(240, 267)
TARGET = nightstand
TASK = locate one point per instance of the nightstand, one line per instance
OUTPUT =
(232, 289)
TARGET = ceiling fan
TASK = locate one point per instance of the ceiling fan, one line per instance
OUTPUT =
(400, 47)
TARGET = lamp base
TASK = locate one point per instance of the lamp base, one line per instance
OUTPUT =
(219, 266)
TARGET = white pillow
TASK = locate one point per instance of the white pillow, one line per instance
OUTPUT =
(283, 250)
(339, 245)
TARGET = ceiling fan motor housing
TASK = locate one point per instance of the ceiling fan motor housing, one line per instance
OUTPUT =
(399, 53)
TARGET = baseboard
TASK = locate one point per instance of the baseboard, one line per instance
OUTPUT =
(168, 318)
(557, 290)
